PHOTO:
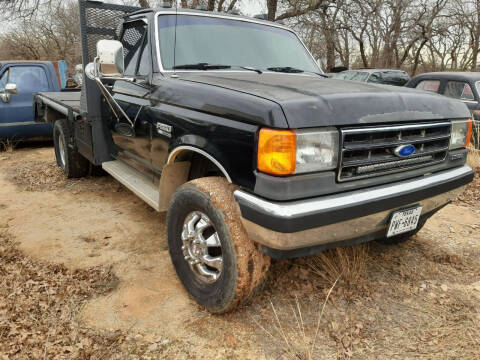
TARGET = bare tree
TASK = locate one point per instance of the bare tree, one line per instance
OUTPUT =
(54, 36)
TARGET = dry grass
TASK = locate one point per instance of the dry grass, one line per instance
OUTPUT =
(39, 304)
(8, 145)
(473, 159)
(342, 267)
(294, 337)
(348, 264)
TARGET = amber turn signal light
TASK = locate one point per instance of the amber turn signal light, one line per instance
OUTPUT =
(277, 151)
(469, 132)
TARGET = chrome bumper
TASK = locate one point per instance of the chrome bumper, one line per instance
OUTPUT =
(346, 216)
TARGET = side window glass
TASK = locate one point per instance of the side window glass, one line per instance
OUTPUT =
(29, 79)
(132, 41)
(459, 90)
(360, 76)
(374, 78)
(3, 79)
(429, 85)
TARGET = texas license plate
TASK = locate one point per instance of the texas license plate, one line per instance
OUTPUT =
(403, 221)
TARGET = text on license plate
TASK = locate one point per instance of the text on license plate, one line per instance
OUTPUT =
(403, 221)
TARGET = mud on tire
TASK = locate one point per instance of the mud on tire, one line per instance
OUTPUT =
(244, 265)
(69, 160)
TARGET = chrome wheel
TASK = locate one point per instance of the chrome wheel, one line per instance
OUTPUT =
(202, 248)
(62, 149)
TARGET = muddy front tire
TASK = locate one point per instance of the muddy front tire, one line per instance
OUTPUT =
(212, 255)
(69, 160)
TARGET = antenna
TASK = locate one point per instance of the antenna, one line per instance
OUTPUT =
(175, 39)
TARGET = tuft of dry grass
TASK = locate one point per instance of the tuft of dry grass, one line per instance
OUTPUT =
(473, 159)
(348, 264)
(8, 145)
(294, 337)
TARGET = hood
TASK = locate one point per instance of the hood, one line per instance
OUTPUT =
(310, 101)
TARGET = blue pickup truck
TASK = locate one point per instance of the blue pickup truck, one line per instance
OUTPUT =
(19, 81)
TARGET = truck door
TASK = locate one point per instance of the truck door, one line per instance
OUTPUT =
(29, 79)
(132, 137)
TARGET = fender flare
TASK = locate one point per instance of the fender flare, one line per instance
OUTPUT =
(179, 149)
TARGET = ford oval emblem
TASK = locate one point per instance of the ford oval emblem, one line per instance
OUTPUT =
(404, 150)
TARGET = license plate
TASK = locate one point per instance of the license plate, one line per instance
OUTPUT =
(403, 221)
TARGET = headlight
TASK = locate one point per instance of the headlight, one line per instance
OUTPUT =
(460, 134)
(286, 152)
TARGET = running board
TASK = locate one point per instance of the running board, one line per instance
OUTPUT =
(135, 181)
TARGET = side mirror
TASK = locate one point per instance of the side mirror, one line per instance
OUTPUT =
(11, 88)
(91, 71)
(110, 58)
(7, 93)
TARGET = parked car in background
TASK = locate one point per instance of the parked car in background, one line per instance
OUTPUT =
(378, 76)
(19, 81)
(464, 86)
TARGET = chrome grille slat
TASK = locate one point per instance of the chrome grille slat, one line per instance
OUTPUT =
(374, 129)
(369, 151)
(397, 143)
(391, 158)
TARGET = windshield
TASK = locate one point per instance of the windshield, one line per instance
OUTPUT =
(212, 40)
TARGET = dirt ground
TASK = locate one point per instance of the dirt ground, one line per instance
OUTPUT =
(85, 274)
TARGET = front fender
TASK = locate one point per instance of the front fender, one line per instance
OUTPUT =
(202, 146)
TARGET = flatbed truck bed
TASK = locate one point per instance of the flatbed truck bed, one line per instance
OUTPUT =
(62, 101)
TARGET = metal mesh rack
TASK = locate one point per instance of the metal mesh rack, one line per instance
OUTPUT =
(100, 21)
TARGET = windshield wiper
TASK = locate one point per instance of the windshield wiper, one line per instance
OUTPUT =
(258, 71)
(207, 66)
(285, 69)
(289, 69)
(201, 66)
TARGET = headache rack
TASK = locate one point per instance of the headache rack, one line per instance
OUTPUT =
(370, 151)
(98, 21)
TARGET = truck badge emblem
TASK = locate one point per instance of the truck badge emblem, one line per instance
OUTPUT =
(164, 129)
(404, 151)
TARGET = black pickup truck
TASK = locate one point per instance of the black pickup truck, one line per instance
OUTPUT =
(228, 123)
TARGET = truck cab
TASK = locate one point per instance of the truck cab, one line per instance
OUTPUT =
(228, 125)
(19, 81)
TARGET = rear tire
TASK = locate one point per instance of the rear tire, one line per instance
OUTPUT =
(69, 160)
(206, 209)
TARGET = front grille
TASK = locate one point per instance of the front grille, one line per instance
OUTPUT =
(370, 151)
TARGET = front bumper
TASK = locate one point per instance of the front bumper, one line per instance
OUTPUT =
(342, 218)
